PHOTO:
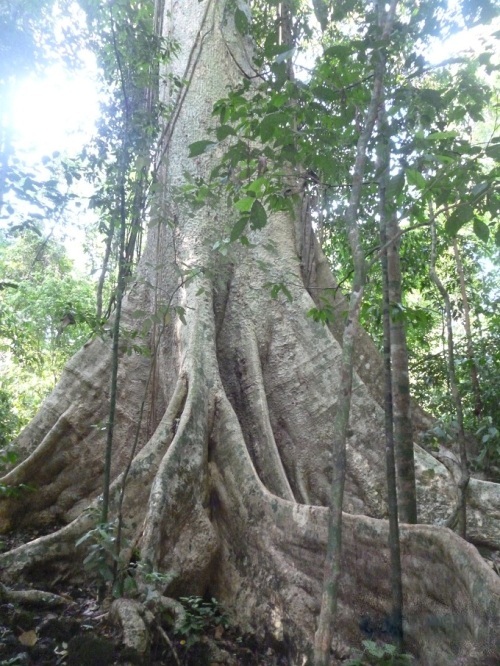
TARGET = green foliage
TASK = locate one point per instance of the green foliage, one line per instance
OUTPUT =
(201, 616)
(8, 424)
(103, 562)
(275, 288)
(46, 311)
(101, 552)
(324, 315)
(441, 165)
(8, 457)
(45, 316)
(489, 437)
(119, 161)
(380, 654)
(428, 363)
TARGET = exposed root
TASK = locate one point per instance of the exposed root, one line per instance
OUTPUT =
(210, 496)
(160, 605)
(275, 577)
(31, 597)
(60, 545)
(134, 620)
(56, 547)
(254, 410)
(62, 447)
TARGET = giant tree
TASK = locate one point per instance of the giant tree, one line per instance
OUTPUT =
(223, 430)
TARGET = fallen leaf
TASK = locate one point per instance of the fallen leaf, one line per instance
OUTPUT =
(219, 630)
(28, 638)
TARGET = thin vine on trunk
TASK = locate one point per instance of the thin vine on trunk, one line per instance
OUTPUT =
(474, 374)
(458, 519)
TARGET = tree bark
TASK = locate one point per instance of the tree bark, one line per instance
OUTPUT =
(403, 429)
(384, 168)
(228, 494)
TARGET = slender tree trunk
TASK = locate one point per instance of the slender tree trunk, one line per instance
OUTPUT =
(383, 168)
(403, 430)
(102, 275)
(474, 375)
(115, 355)
(458, 518)
(332, 569)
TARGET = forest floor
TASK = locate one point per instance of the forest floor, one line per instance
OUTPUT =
(79, 633)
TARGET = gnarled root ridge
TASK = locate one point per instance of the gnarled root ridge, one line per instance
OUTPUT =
(271, 561)
(224, 496)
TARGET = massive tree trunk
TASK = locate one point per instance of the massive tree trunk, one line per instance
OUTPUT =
(228, 483)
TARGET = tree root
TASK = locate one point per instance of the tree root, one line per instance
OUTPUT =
(133, 620)
(198, 509)
(32, 597)
(163, 634)
(160, 605)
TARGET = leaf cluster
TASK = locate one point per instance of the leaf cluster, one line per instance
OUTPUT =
(380, 654)
(200, 617)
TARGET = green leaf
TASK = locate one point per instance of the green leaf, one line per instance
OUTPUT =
(458, 218)
(270, 124)
(238, 229)
(432, 97)
(481, 230)
(258, 186)
(493, 152)
(129, 585)
(244, 205)
(258, 215)
(181, 313)
(199, 147)
(279, 71)
(325, 94)
(272, 49)
(395, 185)
(438, 136)
(224, 131)
(325, 164)
(241, 22)
(497, 237)
(340, 51)
(287, 293)
(415, 178)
